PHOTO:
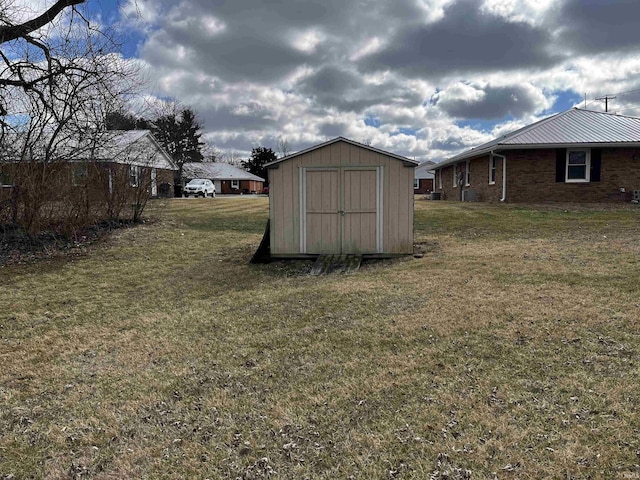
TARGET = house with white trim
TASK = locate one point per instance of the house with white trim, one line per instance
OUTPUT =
(573, 156)
(423, 178)
(227, 178)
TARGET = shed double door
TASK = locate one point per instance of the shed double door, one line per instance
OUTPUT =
(341, 211)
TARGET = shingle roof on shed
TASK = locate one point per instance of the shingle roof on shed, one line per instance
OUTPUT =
(574, 127)
(343, 139)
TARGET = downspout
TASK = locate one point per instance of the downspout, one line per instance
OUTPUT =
(504, 174)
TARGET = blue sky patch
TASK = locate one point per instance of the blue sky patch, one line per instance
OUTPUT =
(565, 100)
(372, 121)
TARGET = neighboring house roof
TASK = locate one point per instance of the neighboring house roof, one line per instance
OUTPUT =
(572, 128)
(424, 170)
(342, 139)
(217, 171)
(135, 147)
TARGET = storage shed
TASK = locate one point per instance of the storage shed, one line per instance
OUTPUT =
(341, 197)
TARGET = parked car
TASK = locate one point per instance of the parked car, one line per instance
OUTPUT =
(199, 187)
(265, 190)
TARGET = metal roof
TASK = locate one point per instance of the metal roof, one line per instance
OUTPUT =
(424, 170)
(574, 127)
(346, 140)
(217, 171)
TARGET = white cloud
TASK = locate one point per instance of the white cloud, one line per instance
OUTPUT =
(142, 13)
(534, 12)
(308, 40)
(421, 78)
(369, 46)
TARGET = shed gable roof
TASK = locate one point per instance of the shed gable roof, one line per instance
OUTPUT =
(574, 127)
(345, 140)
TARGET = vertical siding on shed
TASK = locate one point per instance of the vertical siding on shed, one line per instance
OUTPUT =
(397, 211)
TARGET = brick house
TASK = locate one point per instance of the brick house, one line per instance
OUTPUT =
(145, 161)
(227, 178)
(108, 175)
(423, 178)
(573, 156)
(134, 156)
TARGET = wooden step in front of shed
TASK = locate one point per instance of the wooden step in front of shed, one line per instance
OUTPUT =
(326, 264)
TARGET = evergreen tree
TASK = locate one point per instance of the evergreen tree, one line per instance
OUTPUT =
(260, 156)
(125, 121)
(180, 136)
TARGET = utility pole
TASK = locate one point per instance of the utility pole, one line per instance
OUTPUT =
(606, 99)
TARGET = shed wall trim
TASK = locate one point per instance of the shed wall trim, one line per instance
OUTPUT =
(303, 209)
(295, 232)
(380, 207)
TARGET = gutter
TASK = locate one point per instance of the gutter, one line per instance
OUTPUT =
(504, 174)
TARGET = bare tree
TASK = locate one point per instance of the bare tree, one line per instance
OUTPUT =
(232, 158)
(284, 147)
(59, 76)
(211, 153)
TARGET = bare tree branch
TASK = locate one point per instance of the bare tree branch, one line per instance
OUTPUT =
(13, 32)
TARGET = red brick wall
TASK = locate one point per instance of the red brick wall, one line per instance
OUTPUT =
(425, 185)
(96, 181)
(165, 176)
(245, 186)
(531, 178)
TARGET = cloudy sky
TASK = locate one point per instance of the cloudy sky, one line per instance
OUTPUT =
(421, 78)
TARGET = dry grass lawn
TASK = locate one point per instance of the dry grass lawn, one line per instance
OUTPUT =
(510, 350)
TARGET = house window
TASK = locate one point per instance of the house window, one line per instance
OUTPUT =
(235, 184)
(5, 179)
(134, 175)
(455, 175)
(79, 175)
(440, 179)
(467, 173)
(577, 166)
(492, 170)
(416, 183)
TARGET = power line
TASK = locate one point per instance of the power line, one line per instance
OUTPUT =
(606, 99)
(625, 93)
(630, 107)
(610, 96)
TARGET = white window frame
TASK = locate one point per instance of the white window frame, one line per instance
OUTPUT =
(416, 183)
(455, 175)
(134, 176)
(440, 179)
(493, 171)
(235, 184)
(467, 174)
(587, 169)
